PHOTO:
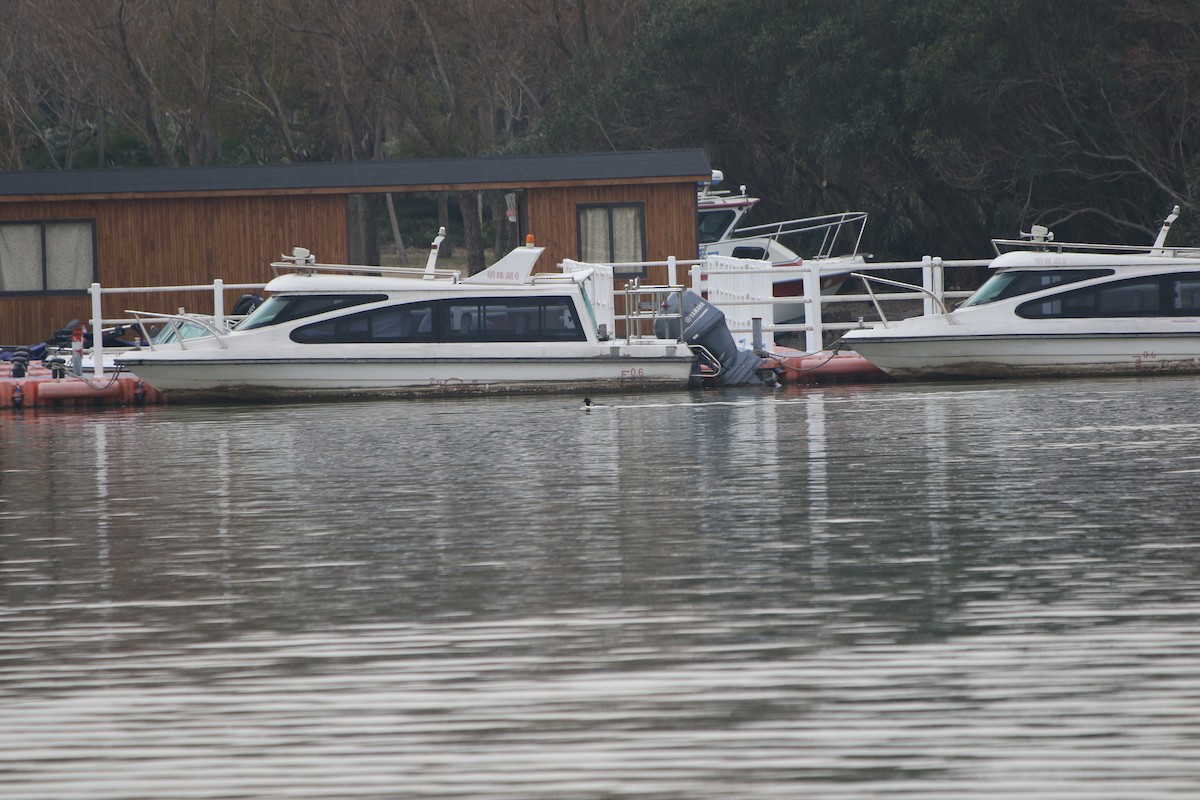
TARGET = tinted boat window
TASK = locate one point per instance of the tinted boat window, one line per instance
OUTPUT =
(513, 319)
(283, 308)
(1146, 296)
(749, 252)
(713, 224)
(411, 322)
(493, 319)
(1015, 282)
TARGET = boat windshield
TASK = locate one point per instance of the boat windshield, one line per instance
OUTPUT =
(181, 330)
(283, 308)
(1013, 282)
(713, 224)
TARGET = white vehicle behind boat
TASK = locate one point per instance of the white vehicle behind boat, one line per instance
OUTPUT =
(1056, 309)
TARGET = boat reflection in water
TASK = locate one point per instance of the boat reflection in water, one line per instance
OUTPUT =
(753, 594)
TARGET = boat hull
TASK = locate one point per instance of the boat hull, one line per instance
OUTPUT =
(1031, 355)
(187, 376)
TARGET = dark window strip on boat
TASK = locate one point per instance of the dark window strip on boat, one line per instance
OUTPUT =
(1171, 295)
(285, 308)
(492, 319)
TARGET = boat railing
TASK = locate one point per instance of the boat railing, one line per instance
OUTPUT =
(220, 321)
(1002, 246)
(1040, 239)
(646, 305)
(870, 280)
(451, 275)
(601, 291)
(831, 227)
(176, 322)
(744, 290)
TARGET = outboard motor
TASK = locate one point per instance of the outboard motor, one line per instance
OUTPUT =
(245, 304)
(704, 324)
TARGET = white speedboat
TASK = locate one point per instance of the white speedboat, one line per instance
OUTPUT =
(346, 331)
(833, 241)
(1054, 309)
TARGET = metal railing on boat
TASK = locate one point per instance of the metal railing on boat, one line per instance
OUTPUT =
(735, 285)
(743, 290)
(98, 321)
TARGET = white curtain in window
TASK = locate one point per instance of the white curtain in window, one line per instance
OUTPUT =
(627, 234)
(69, 255)
(593, 235)
(20, 258)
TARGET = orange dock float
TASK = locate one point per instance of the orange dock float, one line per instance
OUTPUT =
(797, 367)
(41, 390)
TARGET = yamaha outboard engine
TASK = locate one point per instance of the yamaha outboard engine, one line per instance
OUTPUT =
(704, 324)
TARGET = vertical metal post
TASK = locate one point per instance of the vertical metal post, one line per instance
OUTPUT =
(671, 275)
(219, 303)
(939, 281)
(814, 337)
(927, 305)
(756, 337)
(97, 332)
(694, 274)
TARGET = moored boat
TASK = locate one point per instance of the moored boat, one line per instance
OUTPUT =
(1056, 309)
(355, 331)
(835, 240)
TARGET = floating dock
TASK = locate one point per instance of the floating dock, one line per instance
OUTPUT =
(794, 367)
(39, 388)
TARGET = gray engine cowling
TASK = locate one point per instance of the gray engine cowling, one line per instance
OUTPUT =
(704, 324)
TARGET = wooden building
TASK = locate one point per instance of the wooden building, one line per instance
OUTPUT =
(61, 231)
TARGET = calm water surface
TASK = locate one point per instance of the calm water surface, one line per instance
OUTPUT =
(902, 591)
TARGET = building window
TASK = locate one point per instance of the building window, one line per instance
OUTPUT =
(57, 256)
(612, 233)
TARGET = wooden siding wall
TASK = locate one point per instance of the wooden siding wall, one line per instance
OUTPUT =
(163, 242)
(670, 220)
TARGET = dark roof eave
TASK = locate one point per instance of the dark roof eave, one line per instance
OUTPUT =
(485, 172)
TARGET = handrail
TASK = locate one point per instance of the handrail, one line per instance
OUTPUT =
(174, 321)
(831, 223)
(713, 362)
(869, 279)
(1016, 245)
(452, 275)
(634, 292)
(809, 223)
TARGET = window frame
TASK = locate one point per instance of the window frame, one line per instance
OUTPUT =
(44, 269)
(640, 206)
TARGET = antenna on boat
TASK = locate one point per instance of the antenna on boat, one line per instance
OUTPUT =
(1162, 233)
(300, 258)
(1038, 233)
(712, 182)
(433, 254)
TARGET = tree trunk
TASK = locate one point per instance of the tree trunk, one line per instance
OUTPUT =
(391, 207)
(468, 206)
(443, 212)
(363, 237)
(506, 232)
